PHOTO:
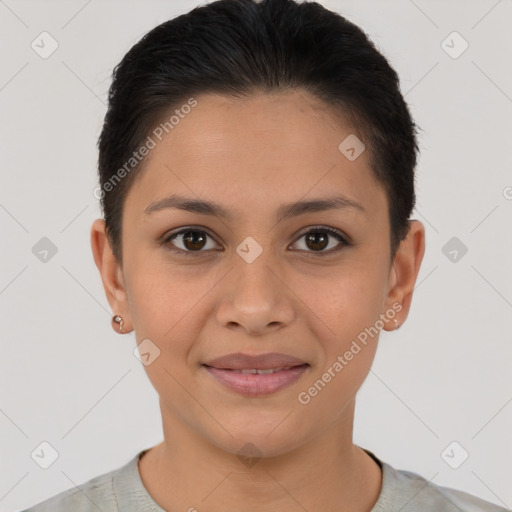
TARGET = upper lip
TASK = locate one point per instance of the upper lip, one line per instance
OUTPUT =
(240, 361)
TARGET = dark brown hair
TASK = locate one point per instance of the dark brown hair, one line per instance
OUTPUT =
(238, 48)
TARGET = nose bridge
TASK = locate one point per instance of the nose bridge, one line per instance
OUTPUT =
(257, 298)
(252, 268)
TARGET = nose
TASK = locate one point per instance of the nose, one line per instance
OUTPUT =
(255, 298)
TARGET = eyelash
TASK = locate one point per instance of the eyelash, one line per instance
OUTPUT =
(314, 229)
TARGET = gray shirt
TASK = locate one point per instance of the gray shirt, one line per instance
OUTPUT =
(122, 490)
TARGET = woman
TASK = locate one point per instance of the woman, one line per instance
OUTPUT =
(257, 180)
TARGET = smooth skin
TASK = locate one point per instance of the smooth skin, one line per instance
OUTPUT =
(297, 297)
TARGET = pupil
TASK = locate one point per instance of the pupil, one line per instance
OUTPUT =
(190, 237)
(312, 237)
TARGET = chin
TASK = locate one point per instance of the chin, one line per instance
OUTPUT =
(257, 442)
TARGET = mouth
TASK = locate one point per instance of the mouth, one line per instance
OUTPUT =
(257, 371)
(256, 375)
(267, 361)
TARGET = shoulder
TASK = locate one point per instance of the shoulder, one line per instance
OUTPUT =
(412, 493)
(95, 494)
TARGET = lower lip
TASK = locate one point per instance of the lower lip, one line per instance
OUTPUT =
(254, 384)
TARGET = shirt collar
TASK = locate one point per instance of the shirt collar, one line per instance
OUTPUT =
(132, 496)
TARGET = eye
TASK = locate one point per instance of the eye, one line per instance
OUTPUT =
(191, 240)
(317, 239)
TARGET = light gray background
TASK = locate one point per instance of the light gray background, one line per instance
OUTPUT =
(68, 379)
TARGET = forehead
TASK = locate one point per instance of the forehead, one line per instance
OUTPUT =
(254, 152)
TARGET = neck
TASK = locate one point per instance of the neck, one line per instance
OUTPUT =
(328, 472)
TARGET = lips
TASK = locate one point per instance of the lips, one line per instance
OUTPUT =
(254, 376)
(268, 361)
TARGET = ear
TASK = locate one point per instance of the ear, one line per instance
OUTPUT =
(111, 273)
(404, 272)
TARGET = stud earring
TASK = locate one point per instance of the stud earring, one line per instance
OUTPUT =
(118, 320)
(397, 325)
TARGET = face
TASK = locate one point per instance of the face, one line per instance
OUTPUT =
(256, 276)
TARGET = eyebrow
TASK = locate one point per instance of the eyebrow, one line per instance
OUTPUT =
(285, 211)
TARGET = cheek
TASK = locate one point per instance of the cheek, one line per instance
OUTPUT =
(160, 299)
(167, 307)
(162, 307)
(351, 307)
(347, 300)
(351, 312)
